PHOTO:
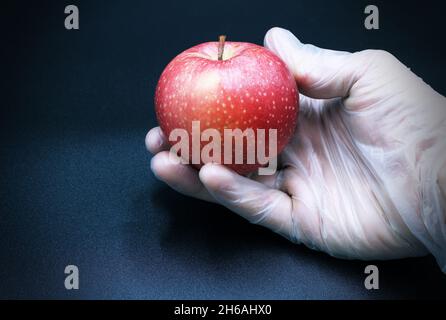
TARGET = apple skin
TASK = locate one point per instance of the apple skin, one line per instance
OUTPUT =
(250, 88)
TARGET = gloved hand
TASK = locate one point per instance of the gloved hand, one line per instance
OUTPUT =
(364, 175)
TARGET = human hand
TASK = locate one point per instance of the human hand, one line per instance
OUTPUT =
(359, 177)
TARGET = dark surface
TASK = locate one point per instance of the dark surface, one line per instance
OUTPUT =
(74, 174)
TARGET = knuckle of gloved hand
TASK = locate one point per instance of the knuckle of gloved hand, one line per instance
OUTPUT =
(376, 54)
(379, 58)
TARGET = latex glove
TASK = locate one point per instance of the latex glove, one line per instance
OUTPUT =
(359, 178)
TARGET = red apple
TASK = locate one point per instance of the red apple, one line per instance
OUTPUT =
(228, 85)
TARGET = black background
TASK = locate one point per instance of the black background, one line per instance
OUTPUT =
(75, 184)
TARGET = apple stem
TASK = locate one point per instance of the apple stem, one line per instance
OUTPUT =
(221, 46)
